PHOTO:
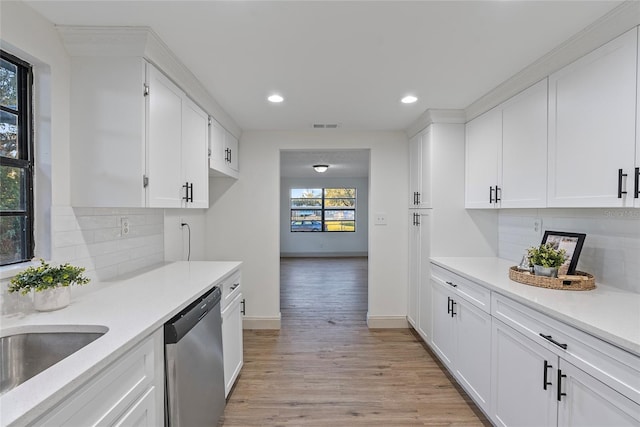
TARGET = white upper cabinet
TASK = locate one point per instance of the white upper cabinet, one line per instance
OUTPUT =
(164, 124)
(506, 153)
(482, 160)
(137, 140)
(592, 127)
(524, 149)
(419, 163)
(223, 151)
(195, 137)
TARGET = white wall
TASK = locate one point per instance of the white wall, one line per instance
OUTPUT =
(176, 237)
(244, 220)
(611, 250)
(325, 244)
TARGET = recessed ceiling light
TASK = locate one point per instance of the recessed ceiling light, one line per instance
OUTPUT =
(275, 98)
(409, 99)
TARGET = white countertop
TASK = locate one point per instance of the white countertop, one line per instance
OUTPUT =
(132, 309)
(608, 313)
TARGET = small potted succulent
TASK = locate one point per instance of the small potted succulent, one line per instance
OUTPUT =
(546, 259)
(49, 283)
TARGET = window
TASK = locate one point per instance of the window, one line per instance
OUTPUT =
(323, 209)
(16, 161)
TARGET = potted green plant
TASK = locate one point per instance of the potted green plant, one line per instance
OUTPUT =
(546, 259)
(49, 283)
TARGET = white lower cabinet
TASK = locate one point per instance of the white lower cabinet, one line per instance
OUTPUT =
(524, 368)
(534, 381)
(129, 392)
(462, 339)
(522, 381)
(232, 342)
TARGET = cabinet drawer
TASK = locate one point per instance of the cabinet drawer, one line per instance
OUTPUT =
(613, 366)
(230, 288)
(107, 396)
(470, 291)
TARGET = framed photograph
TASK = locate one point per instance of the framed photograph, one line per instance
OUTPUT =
(571, 243)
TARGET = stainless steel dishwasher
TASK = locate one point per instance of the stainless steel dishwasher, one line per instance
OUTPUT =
(193, 364)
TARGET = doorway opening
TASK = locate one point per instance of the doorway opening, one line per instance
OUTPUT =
(324, 230)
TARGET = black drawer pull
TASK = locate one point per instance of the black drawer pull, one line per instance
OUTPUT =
(449, 307)
(451, 284)
(234, 286)
(636, 193)
(550, 339)
(620, 176)
(490, 195)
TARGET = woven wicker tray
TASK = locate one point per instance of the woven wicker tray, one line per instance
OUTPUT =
(581, 281)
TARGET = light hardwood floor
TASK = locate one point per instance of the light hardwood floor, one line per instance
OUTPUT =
(326, 368)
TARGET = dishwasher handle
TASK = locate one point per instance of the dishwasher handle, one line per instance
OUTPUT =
(183, 322)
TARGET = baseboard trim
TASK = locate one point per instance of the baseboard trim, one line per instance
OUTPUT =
(261, 323)
(322, 254)
(387, 322)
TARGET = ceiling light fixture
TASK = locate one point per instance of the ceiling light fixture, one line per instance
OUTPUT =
(409, 99)
(275, 98)
(320, 168)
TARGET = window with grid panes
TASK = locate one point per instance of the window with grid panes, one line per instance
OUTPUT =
(323, 209)
(16, 161)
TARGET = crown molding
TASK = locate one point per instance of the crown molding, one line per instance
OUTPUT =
(432, 116)
(618, 21)
(85, 41)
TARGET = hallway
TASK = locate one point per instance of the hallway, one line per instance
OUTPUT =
(325, 367)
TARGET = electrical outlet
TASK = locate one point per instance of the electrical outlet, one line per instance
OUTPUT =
(537, 225)
(124, 226)
(380, 218)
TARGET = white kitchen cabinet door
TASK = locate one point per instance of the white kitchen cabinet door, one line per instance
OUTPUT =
(442, 337)
(195, 175)
(483, 159)
(414, 270)
(592, 125)
(231, 144)
(521, 370)
(425, 303)
(524, 149)
(589, 402)
(419, 166)
(143, 413)
(164, 136)
(232, 347)
(473, 352)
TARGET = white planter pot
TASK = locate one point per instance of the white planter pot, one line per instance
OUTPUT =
(52, 299)
(539, 270)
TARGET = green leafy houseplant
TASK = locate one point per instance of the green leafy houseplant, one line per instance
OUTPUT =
(46, 276)
(546, 256)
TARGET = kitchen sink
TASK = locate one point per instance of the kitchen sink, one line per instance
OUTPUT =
(26, 353)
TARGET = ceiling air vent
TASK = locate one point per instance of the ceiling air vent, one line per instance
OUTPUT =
(326, 125)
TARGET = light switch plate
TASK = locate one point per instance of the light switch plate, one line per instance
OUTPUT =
(380, 218)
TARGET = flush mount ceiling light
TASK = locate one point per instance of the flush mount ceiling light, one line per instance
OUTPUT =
(409, 99)
(275, 98)
(320, 168)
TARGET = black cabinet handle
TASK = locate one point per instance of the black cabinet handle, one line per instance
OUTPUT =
(417, 220)
(417, 197)
(560, 377)
(188, 190)
(490, 194)
(620, 176)
(453, 303)
(449, 301)
(451, 284)
(545, 383)
(498, 189)
(550, 339)
(636, 192)
(244, 307)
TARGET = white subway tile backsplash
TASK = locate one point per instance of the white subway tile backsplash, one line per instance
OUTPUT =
(611, 251)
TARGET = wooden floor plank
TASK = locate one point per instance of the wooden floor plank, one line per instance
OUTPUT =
(325, 367)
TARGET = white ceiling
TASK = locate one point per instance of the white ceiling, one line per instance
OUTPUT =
(344, 62)
(342, 163)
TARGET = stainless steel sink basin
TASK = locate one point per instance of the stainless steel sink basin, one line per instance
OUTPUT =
(25, 354)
